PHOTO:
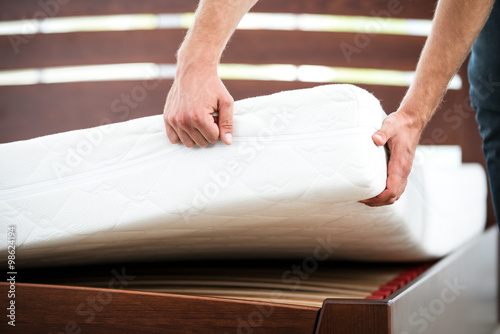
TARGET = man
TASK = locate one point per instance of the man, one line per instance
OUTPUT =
(197, 90)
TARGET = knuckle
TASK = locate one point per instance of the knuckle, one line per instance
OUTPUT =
(407, 170)
(181, 121)
(389, 120)
(385, 124)
(171, 120)
(195, 119)
(405, 167)
(226, 101)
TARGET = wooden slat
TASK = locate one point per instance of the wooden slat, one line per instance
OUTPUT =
(13, 10)
(324, 48)
(30, 111)
(393, 8)
(261, 47)
(56, 309)
(84, 48)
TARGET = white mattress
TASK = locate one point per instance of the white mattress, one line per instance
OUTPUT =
(289, 184)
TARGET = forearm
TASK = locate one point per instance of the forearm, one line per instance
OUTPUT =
(215, 21)
(456, 25)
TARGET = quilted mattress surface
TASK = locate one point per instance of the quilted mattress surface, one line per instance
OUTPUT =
(290, 183)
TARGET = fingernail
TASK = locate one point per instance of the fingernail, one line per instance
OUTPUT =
(378, 137)
(229, 137)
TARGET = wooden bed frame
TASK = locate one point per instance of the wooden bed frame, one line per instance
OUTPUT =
(457, 294)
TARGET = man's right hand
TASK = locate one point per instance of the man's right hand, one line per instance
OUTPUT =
(198, 92)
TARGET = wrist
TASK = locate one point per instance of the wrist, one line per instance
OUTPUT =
(194, 69)
(416, 112)
(198, 66)
(189, 60)
(198, 52)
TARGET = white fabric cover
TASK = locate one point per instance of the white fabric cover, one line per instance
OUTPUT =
(290, 183)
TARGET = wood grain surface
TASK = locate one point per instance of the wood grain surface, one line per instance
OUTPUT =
(62, 309)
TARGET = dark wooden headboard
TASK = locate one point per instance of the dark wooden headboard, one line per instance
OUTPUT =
(35, 109)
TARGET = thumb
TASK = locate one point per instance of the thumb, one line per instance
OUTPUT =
(226, 120)
(381, 137)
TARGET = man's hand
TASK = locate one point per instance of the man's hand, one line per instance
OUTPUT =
(445, 49)
(196, 94)
(401, 133)
(197, 91)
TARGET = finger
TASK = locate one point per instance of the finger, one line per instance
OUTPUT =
(189, 126)
(179, 123)
(209, 129)
(387, 131)
(381, 199)
(171, 134)
(185, 138)
(393, 191)
(379, 138)
(226, 108)
(197, 137)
